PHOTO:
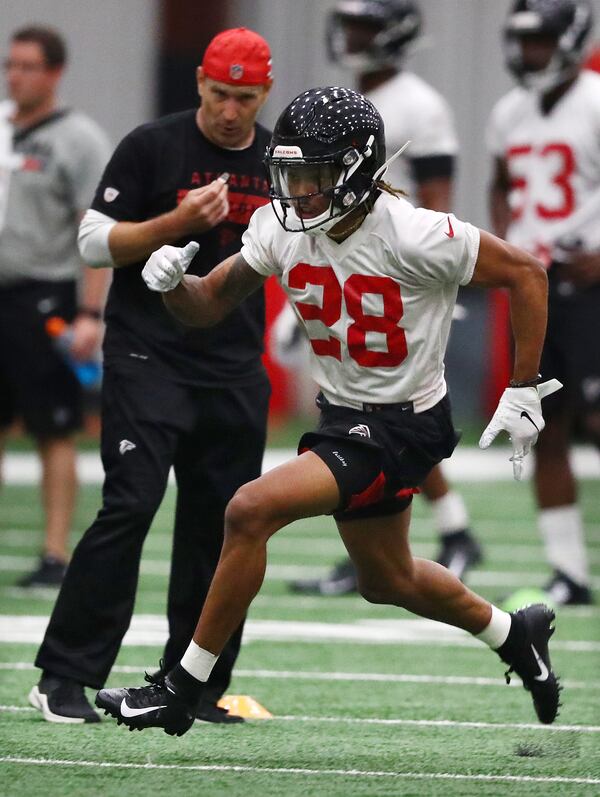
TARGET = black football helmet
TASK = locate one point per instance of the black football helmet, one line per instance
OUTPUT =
(391, 26)
(569, 21)
(334, 137)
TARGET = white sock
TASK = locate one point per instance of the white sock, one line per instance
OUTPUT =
(496, 631)
(198, 662)
(562, 531)
(450, 513)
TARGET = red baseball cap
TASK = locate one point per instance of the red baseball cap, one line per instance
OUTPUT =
(240, 57)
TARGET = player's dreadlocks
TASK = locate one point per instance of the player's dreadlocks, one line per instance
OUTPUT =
(389, 189)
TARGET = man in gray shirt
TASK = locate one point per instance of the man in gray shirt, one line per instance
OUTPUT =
(51, 159)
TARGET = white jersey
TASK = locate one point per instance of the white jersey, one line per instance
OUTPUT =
(377, 308)
(413, 110)
(554, 165)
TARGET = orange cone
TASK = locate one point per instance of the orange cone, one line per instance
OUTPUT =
(244, 706)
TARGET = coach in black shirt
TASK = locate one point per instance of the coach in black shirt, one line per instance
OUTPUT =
(195, 399)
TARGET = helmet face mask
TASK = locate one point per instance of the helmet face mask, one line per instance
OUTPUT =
(308, 187)
(559, 26)
(326, 148)
(367, 35)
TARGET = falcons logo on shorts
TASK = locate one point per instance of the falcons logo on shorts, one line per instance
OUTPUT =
(362, 429)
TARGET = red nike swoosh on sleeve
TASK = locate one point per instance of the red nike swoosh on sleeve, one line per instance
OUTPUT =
(450, 232)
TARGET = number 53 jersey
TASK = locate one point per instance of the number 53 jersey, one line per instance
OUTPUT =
(553, 163)
(377, 307)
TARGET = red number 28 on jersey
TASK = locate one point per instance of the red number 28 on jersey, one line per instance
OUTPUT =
(330, 311)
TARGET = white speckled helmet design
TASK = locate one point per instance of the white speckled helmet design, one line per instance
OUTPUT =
(327, 149)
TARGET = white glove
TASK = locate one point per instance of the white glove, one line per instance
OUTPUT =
(165, 268)
(519, 413)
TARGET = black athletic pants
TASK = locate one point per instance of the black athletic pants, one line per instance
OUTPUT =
(214, 438)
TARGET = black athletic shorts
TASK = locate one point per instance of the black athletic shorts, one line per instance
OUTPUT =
(381, 454)
(35, 382)
(572, 349)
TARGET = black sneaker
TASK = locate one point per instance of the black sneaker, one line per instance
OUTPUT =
(49, 572)
(62, 700)
(340, 581)
(526, 651)
(459, 551)
(208, 711)
(563, 591)
(153, 706)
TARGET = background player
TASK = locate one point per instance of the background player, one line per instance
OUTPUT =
(545, 197)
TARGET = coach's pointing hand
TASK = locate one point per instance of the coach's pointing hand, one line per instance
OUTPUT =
(165, 268)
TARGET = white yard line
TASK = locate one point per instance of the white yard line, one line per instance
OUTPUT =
(347, 604)
(462, 725)
(354, 773)
(420, 527)
(151, 629)
(300, 675)
(309, 547)
(529, 726)
(477, 578)
(467, 464)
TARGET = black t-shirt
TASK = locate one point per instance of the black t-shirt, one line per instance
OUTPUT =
(149, 174)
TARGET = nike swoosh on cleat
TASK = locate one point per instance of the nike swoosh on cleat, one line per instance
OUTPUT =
(544, 673)
(529, 418)
(127, 711)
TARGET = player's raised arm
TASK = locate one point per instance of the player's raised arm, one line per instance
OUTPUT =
(199, 301)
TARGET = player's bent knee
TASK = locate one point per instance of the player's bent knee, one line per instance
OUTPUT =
(247, 515)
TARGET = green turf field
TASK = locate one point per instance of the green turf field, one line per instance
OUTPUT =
(367, 700)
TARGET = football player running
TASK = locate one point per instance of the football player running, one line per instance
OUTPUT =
(545, 197)
(373, 38)
(374, 281)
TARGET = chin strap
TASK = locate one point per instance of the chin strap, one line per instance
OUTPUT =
(352, 221)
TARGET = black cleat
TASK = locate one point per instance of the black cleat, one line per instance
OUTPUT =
(563, 591)
(208, 711)
(154, 706)
(62, 700)
(340, 581)
(48, 573)
(458, 552)
(526, 651)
